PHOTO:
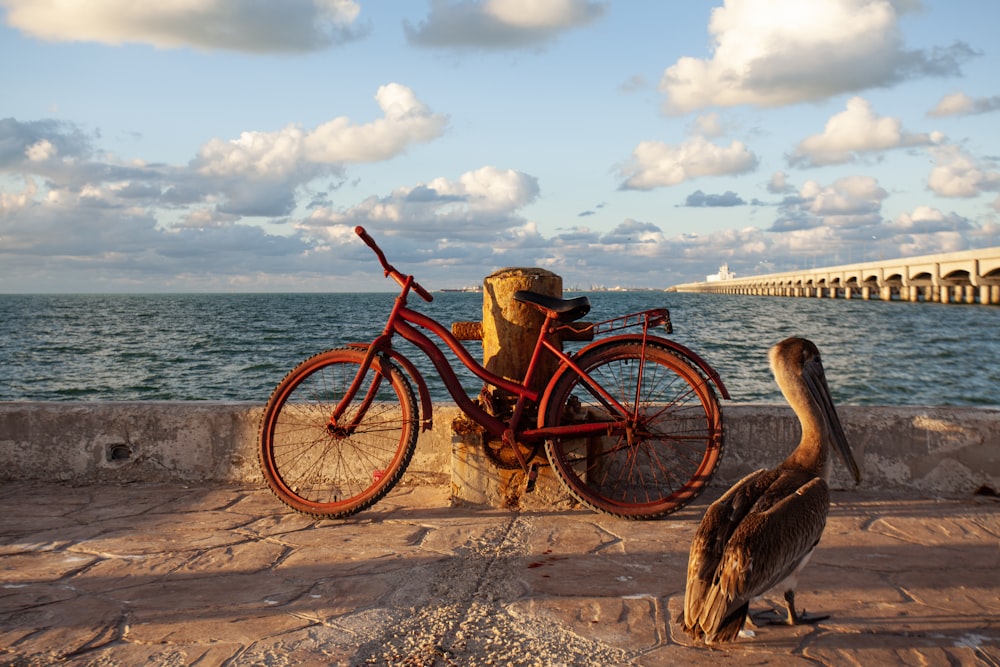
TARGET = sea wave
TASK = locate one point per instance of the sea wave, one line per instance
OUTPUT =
(239, 346)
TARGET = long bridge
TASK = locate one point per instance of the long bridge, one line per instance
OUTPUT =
(970, 276)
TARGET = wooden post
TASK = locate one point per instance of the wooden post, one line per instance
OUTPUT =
(510, 329)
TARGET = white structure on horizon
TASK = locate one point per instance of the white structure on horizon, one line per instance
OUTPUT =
(723, 274)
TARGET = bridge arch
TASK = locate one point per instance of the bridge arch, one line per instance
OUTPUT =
(971, 276)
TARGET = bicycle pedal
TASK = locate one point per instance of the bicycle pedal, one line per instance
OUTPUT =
(532, 477)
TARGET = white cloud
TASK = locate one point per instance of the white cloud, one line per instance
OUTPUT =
(205, 218)
(41, 151)
(500, 24)
(256, 174)
(656, 164)
(277, 154)
(776, 52)
(31, 145)
(407, 120)
(779, 184)
(11, 203)
(290, 25)
(960, 104)
(856, 130)
(544, 14)
(928, 220)
(853, 201)
(849, 196)
(266, 154)
(930, 244)
(958, 174)
(952, 105)
(476, 207)
(708, 125)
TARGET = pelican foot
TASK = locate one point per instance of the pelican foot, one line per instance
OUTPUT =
(769, 617)
(778, 617)
(809, 619)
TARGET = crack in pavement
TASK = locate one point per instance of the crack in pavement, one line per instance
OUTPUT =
(470, 623)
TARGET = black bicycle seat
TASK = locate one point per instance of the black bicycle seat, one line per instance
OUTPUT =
(565, 310)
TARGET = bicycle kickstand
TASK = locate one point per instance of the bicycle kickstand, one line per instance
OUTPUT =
(532, 478)
(532, 469)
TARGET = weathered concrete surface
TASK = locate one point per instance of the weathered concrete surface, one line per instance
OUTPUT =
(945, 450)
(157, 441)
(936, 450)
(224, 575)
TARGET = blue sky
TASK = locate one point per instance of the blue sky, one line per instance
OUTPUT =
(222, 145)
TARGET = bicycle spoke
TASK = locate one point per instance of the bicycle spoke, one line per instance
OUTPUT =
(656, 457)
(336, 469)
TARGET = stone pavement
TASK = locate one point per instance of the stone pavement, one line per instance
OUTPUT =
(216, 575)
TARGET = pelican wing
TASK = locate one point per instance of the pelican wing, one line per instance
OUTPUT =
(750, 540)
(721, 520)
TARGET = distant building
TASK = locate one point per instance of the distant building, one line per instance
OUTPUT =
(723, 274)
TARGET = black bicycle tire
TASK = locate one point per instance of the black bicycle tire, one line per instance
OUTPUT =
(694, 408)
(385, 459)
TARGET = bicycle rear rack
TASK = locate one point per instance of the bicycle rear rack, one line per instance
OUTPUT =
(646, 318)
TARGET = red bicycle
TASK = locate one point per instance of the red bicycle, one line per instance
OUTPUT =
(630, 423)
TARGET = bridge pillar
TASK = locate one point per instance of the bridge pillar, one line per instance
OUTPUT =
(970, 294)
(848, 293)
(885, 292)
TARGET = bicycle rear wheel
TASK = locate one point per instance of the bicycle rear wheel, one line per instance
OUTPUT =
(328, 471)
(652, 463)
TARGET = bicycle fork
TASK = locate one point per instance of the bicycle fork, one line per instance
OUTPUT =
(335, 427)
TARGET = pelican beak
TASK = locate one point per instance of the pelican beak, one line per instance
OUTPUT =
(815, 379)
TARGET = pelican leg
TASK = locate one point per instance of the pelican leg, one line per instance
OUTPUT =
(791, 617)
(795, 618)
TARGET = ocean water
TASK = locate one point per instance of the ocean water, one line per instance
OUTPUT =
(239, 346)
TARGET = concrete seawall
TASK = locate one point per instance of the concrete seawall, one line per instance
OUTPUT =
(946, 451)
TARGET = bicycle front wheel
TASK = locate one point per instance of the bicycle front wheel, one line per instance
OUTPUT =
(655, 458)
(334, 470)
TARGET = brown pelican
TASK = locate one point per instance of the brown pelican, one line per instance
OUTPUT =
(760, 534)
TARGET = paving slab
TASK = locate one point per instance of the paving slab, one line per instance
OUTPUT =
(226, 575)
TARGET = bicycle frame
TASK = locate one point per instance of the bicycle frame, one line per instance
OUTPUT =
(402, 320)
(629, 422)
(407, 323)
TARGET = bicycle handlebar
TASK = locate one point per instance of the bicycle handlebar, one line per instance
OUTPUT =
(390, 270)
